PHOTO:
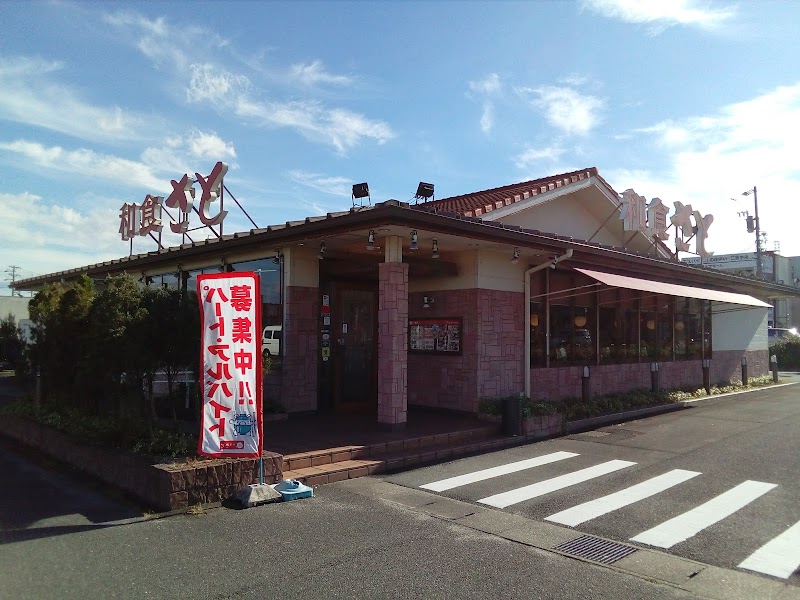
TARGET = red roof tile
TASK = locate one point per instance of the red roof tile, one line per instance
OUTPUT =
(479, 203)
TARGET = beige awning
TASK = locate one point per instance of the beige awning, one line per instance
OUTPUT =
(672, 289)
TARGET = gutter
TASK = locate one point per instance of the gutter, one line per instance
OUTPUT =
(552, 264)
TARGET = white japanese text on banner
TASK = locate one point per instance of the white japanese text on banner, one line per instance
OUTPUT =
(230, 364)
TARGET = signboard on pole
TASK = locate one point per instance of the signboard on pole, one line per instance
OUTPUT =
(230, 365)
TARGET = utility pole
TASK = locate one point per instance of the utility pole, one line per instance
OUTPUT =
(11, 271)
(754, 191)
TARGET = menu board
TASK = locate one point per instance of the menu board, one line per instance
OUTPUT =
(434, 336)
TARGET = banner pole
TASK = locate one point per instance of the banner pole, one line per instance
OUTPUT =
(261, 470)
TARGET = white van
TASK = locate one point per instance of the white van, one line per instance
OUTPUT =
(271, 340)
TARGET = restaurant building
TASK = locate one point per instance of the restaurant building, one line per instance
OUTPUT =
(522, 289)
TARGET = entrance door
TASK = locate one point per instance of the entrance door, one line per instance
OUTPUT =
(355, 327)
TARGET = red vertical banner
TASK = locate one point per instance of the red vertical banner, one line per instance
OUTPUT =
(230, 365)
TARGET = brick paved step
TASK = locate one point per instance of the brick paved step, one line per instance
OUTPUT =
(319, 458)
(388, 462)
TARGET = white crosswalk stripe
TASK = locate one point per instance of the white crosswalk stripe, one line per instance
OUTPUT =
(590, 510)
(556, 483)
(688, 524)
(779, 557)
(454, 482)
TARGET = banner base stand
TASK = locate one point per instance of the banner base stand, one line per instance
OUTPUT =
(257, 493)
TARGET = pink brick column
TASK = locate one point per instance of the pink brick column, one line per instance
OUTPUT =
(300, 349)
(392, 344)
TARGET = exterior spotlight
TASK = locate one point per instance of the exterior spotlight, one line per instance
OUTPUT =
(435, 248)
(371, 240)
(427, 301)
(515, 256)
(414, 245)
(424, 191)
(360, 190)
(322, 248)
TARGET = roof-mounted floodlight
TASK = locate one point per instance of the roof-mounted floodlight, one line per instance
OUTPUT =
(424, 191)
(361, 190)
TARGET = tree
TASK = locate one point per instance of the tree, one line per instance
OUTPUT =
(12, 344)
(171, 330)
(117, 349)
(59, 351)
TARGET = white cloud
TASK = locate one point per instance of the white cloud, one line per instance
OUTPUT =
(662, 13)
(531, 156)
(165, 44)
(565, 108)
(711, 158)
(178, 47)
(313, 73)
(43, 237)
(338, 127)
(487, 118)
(216, 86)
(30, 96)
(490, 85)
(485, 89)
(83, 162)
(204, 144)
(337, 186)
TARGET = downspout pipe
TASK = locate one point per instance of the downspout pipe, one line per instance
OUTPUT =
(552, 264)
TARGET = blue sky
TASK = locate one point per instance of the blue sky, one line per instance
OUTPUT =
(103, 103)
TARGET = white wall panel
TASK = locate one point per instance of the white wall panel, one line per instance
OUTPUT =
(737, 327)
(566, 216)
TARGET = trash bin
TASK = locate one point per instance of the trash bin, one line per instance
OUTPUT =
(512, 416)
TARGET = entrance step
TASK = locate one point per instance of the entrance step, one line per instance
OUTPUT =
(348, 462)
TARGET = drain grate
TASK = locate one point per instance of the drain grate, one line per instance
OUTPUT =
(596, 549)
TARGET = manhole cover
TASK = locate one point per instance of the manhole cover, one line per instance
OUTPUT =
(596, 549)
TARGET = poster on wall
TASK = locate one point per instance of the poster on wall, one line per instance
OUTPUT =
(434, 336)
(230, 364)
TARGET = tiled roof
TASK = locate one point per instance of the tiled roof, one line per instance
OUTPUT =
(480, 203)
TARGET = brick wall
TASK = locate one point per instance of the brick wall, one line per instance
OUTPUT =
(162, 486)
(492, 350)
(300, 349)
(501, 343)
(727, 366)
(565, 382)
(449, 382)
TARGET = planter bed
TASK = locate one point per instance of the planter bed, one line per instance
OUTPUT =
(589, 423)
(164, 486)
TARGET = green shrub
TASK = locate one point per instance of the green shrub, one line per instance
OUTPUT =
(130, 435)
(491, 406)
(787, 351)
(575, 408)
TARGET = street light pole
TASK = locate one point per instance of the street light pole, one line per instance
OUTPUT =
(758, 231)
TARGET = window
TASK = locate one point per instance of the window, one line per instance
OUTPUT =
(269, 272)
(572, 320)
(648, 325)
(537, 328)
(614, 325)
(618, 326)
